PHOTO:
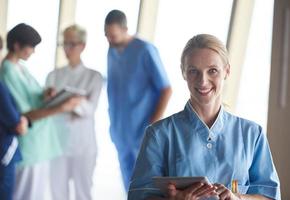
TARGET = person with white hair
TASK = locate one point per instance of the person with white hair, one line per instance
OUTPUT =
(79, 160)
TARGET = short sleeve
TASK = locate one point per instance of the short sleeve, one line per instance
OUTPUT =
(155, 68)
(150, 163)
(13, 81)
(263, 176)
(23, 87)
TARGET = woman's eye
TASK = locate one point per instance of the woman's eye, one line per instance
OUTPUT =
(213, 71)
(192, 71)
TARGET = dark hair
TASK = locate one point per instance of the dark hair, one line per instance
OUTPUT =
(1, 43)
(116, 17)
(24, 35)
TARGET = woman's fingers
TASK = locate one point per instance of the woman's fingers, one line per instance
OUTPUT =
(172, 192)
(195, 191)
(224, 193)
(204, 191)
(185, 194)
(220, 188)
(21, 127)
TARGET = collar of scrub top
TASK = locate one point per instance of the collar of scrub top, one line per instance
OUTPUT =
(76, 69)
(200, 126)
(119, 53)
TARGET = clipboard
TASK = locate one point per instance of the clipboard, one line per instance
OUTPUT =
(63, 95)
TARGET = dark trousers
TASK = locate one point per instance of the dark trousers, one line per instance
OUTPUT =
(7, 178)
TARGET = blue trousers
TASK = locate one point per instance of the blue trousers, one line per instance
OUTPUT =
(127, 162)
(7, 178)
(127, 155)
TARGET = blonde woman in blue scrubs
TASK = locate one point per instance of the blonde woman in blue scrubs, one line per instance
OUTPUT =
(41, 143)
(205, 140)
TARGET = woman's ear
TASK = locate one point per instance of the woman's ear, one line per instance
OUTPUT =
(228, 70)
(16, 46)
(183, 74)
(83, 46)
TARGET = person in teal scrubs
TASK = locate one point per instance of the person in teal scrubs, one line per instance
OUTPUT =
(206, 140)
(41, 143)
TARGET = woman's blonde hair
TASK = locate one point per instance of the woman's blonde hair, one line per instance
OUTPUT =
(202, 41)
(81, 32)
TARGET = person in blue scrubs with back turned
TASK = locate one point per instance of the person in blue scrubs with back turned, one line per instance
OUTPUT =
(206, 140)
(12, 124)
(138, 89)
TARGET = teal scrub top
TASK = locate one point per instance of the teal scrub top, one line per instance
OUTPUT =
(42, 140)
(182, 145)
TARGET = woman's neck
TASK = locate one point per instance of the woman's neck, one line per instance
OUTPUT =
(12, 57)
(208, 113)
(75, 62)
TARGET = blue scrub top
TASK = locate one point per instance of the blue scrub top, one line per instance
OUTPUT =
(180, 146)
(9, 118)
(136, 77)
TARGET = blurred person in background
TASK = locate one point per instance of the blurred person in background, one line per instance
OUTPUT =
(11, 125)
(79, 160)
(41, 142)
(138, 89)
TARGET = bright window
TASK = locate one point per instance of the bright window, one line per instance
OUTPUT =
(178, 21)
(255, 80)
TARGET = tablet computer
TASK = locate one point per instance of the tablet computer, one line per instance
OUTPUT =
(63, 95)
(179, 182)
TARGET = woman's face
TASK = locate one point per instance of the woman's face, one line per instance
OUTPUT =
(205, 74)
(25, 52)
(72, 45)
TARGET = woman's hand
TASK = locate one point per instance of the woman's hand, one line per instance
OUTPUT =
(70, 104)
(21, 127)
(49, 93)
(194, 192)
(225, 194)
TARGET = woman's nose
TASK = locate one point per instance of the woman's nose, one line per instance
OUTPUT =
(202, 79)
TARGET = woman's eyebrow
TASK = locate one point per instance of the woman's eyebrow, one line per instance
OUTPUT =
(213, 65)
(191, 66)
